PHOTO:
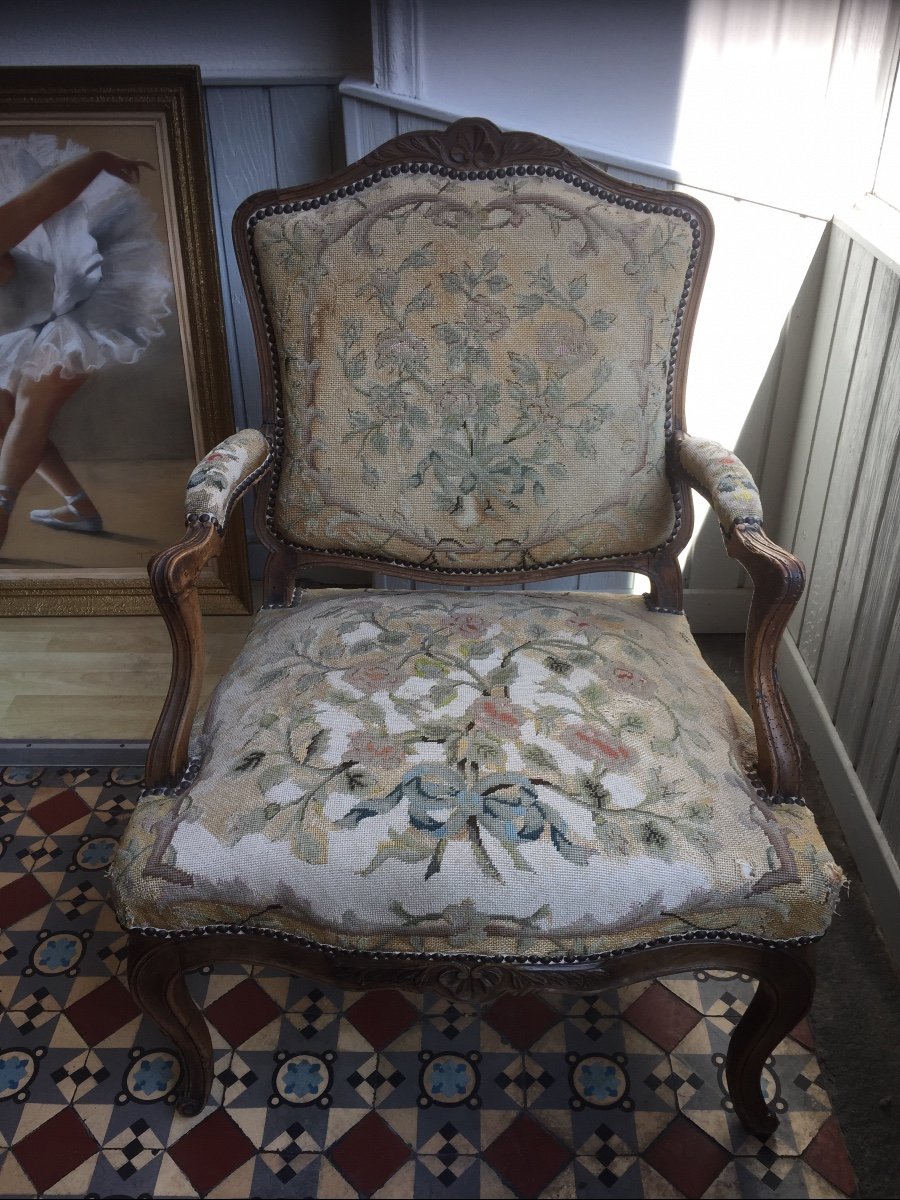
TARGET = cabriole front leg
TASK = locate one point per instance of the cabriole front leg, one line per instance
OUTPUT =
(156, 979)
(783, 996)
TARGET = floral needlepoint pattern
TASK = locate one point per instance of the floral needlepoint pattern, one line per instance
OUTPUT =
(427, 770)
(415, 1095)
(216, 479)
(497, 374)
(730, 485)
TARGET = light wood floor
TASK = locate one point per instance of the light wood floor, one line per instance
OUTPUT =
(100, 678)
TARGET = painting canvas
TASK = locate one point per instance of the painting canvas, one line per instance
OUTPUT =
(113, 378)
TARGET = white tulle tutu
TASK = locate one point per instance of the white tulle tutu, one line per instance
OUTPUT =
(92, 284)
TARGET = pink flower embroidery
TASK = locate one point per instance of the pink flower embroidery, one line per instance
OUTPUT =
(486, 318)
(372, 751)
(457, 397)
(564, 345)
(587, 741)
(467, 624)
(497, 714)
(372, 676)
(627, 680)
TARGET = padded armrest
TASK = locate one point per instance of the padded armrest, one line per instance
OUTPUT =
(723, 479)
(222, 477)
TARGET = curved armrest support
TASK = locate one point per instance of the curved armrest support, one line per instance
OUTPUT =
(221, 478)
(722, 478)
(778, 579)
(213, 489)
(173, 579)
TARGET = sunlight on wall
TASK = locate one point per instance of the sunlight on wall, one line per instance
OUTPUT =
(777, 109)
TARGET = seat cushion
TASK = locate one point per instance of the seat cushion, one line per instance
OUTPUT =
(526, 773)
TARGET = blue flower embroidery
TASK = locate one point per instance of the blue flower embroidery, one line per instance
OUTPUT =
(12, 1072)
(155, 1075)
(449, 1079)
(57, 953)
(303, 1078)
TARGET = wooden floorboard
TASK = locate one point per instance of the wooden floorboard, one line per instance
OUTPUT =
(101, 678)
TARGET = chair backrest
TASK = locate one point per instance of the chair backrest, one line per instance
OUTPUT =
(473, 351)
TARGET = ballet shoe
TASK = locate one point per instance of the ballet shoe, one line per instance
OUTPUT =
(78, 524)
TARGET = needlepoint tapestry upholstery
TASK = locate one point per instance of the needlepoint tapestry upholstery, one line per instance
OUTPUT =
(473, 372)
(501, 772)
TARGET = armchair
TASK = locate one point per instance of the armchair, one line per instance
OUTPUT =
(473, 351)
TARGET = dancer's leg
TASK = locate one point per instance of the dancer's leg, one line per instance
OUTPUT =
(53, 466)
(25, 442)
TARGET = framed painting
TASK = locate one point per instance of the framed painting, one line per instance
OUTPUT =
(113, 365)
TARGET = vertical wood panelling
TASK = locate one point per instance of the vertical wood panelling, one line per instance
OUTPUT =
(857, 711)
(851, 443)
(864, 528)
(302, 129)
(366, 126)
(243, 151)
(813, 381)
(881, 736)
(836, 381)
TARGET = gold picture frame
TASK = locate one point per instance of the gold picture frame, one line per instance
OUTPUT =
(136, 425)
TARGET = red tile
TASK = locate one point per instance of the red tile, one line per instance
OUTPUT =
(212, 1150)
(521, 1019)
(827, 1154)
(55, 1148)
(661, 1016)
(527, 1156)
(382, 1016)
(687, 1157)
(101, 1012)
(369, 1154)
(803, 1034)
(60, 810)
(242, 1012)
(19, 899)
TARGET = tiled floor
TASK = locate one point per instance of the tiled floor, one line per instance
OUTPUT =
(326, 1093)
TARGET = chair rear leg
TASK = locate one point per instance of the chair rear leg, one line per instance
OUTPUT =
(783, 996)
(156, 979)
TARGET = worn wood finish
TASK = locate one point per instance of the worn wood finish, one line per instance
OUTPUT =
(173, 579)
(778, 578)
(786, 981)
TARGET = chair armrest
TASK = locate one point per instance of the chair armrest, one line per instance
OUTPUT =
(221, 478)
(722, 478)
(213, 489)
(778, 579)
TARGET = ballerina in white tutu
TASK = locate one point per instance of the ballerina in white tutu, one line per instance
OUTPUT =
(84, 282)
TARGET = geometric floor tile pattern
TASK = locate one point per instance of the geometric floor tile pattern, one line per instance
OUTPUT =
(324, 1093)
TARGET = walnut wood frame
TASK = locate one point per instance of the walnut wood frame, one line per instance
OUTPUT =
(157, 959)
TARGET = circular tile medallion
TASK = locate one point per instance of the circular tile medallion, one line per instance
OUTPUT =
(56, 954)
(598, 1081)
(302, 1079)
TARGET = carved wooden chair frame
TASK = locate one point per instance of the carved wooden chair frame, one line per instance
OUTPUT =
(158, 958)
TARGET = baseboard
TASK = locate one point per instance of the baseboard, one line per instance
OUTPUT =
(879, 869)
(55, 752)
(717, 610)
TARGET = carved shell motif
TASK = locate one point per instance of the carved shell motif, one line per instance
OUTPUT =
(474, 982)
(471, 144)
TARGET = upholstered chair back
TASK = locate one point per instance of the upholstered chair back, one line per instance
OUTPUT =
(474, 370)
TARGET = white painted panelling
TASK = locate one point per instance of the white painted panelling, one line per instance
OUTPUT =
(259, 137)
(268, 41)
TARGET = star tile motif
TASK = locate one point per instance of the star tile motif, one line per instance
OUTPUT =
(317, 1092)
